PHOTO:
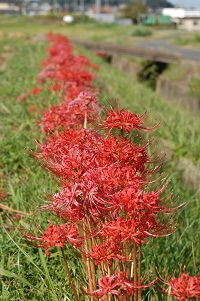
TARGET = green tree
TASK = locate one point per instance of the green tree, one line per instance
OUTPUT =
(133, 10)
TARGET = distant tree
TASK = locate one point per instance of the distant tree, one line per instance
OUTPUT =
(133, 10)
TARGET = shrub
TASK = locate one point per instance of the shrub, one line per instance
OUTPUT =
(141, 31)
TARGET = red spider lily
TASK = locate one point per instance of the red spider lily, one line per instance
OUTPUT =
(100, 179)
(115, 285)
(112, 178)
(78, 201)
(134, 229)
(74, 152)
(69, 154)
(71, 90)
(60, 47)
(103, 55)
(22, 97)
(106, 201)
(56, 87)
(67, 205)
(32, 108)
(123, 230)
(119, 285)
(56, 236)
(83, 60)
(35, 91)
(106, 251)
(125, 121)
(71, 114)
(73, 73)
(132, 199)
(121, 150)
(62, 66)
(108, 286)
(185, 287)
(1, 196)
(16, 216)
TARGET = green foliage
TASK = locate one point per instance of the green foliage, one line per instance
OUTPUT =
(187, 39)
(81, 18)
(141, 31)
(194, 87)
(176, 71)
(150, 72)
(34, 26)
(78, 18)
(133, 10)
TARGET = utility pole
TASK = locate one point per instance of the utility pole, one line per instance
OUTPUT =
(98, 7)
(21, 5)
(75, 3)
(82, 5)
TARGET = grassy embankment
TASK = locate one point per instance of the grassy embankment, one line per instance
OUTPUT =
(25, 273)
(89, 29)
(191, 40)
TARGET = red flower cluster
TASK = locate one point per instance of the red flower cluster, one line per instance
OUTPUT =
(118, 285)
(70, 76)
(185, 287)
(103, 55)
(36, 90)
(72, 114)
(107, 203)
(22, 97)
(57, 236)
(125, 121)
(105, 182)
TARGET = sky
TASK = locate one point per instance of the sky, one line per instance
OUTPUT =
(186, 3)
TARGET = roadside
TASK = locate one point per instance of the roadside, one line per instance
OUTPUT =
(164, 44)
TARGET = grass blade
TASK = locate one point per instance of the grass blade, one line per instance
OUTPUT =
(9, 274)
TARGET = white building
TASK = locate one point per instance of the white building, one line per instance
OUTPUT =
(11, 9)
(187, 19)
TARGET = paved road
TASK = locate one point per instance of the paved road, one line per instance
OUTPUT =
(163, 44)
(142, 52)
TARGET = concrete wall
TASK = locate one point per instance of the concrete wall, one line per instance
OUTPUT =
(189, 24)
(175, 92)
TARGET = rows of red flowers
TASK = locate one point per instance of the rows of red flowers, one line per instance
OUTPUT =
(111, 200)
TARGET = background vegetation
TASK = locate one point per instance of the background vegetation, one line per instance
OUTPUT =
(187, 39)
(25, 273)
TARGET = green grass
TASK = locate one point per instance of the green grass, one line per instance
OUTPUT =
(194, 87)
(88, 29)
(188, 40)
(175, 72)
(141, 31)
(187, 75)
(25, 273)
